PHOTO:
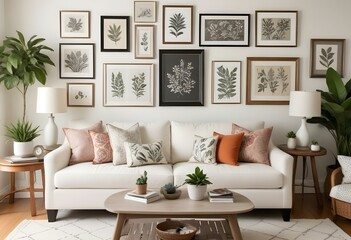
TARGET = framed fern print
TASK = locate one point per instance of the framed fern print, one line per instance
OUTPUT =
(177, 24)
(181, 77)
(271, 79)
(128, 84)
(114, 34)
(77, 60)
(326, 53)
(276, 28)
(145, 11)
(226, 81)
(144, 41)
(80, 94)
(75, 24)
(224, 30)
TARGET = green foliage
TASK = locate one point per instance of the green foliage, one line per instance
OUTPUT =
(114, 33)
(75, 25)
(314, 142)
(76, 61)
(326, 59)
(22, 131)
(142, 179)
(138, 85)
(117, 85)
(177, 24)
(227, 82)
(170, 188)
(197, 178)
(291, 134)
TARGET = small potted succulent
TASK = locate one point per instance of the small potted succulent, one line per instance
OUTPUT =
(141, 184)
(291, 144)
(170, 191)
(315, 146)
(197, 184)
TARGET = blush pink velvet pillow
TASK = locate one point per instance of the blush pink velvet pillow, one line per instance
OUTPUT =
(102, 147)
(81, 143)
(254, 146)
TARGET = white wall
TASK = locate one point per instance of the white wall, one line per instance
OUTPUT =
(317, 19)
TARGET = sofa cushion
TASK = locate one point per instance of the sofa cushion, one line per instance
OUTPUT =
(228, 147)
(102, 147)
(204, 150)
(87, 175)
(245, 176)
(144, 154)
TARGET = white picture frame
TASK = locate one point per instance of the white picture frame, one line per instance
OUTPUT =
(145, 11)
(74, 24)
(144, 42)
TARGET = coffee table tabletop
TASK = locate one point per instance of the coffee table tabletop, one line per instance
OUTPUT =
(179, 208)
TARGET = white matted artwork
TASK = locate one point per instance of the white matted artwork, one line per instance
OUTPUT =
(114, 33)
(144, 41)
(80, 94)
(145, 11)
(128, 84)
(75, 24)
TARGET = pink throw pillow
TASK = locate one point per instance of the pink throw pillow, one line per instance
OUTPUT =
(254, 146)
(81, 143)
(102, 147)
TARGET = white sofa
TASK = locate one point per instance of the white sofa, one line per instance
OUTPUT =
(87, 185)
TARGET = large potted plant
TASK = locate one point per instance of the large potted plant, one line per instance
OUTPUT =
(197, 184)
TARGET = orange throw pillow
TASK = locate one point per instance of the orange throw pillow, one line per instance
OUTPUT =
(228, 147)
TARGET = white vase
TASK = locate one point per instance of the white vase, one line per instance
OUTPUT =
(197, 193)
(315, 148)
(23, 149)
(291, 144)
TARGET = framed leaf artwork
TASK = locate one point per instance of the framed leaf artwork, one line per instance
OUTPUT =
(77, 60)
(271, 79)
(145, 11)
(74, 24)
(226, 81)
(181, 77)
(114, 34)
(128, 84)
(144, 41)
(326, 53)
(80, 94)
(177, 24)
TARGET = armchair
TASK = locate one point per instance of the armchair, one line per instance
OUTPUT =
(340, 195)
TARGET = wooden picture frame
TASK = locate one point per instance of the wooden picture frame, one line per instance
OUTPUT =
(74, 24)
(224, 30)
(80, 94)
(145, 11)
(115, 33)
(70, 67)
(226, 82)
(144, 44)
(276, 28)
(177, 24)
(271, 79)
(128, 84)
(186, 89)
(326, 53)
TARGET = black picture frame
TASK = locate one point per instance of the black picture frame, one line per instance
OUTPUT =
(121, 24)
(215, 22)
(192, 92)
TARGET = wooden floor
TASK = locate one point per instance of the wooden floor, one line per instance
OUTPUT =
(304, 207)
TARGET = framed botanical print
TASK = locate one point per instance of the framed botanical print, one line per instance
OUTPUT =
(75, 24)
(224, 30)
(177, 24)
(77, 60)
(80, 94)
(276, 28)
(226, 81)
(181, 78)
(144, 41)
(128, 84)
(326, 53)
(270, 80)
(145, 11)
(114, 34)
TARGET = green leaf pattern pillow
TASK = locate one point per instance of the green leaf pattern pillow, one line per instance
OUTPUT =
(144, 154)
(204, 150)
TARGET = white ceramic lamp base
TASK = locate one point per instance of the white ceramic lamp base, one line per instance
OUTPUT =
(50, 133)
(302, 136)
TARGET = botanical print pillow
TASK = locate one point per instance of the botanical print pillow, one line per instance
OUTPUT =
(204, 150)
(102, 147)
(117, 138)
(345, 163)
(144, 154)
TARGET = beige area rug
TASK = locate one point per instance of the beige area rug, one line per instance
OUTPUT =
(98, 225)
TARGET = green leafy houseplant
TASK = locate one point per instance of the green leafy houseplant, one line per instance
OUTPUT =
(22, 131)
(197, 178)
(291, 134)
(314, 142)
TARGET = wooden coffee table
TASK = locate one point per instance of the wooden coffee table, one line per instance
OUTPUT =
(179, 208)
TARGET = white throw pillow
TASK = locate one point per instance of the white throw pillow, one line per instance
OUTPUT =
(345, 162)
(117, 138)
(204, 150)
(144, 154)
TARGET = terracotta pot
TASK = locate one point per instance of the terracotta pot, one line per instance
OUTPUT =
(141, 189)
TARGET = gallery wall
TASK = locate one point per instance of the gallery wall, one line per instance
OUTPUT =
(316, 19)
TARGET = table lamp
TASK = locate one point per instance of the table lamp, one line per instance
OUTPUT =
(306, 105)
(51, 100)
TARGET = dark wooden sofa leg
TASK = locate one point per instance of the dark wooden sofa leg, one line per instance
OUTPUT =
(286, 214)
(52, 214)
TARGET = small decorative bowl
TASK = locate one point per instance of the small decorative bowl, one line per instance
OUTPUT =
(175, 230)
(171, 196)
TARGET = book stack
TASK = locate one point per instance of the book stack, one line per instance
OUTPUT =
(222, 195)
(148, 197)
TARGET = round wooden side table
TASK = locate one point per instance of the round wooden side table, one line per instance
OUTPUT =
(30, 167)
(305, 152)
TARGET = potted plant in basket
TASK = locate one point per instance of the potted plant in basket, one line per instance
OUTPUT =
(170, 191)
(197, 184)
(141, 184)
(291, 143)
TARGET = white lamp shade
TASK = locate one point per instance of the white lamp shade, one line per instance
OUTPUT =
(51, 100)
(305, 104)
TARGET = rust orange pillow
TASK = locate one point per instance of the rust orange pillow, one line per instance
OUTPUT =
(228, 147)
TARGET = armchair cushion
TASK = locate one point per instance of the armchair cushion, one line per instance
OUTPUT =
(345, 162)
(341, 192)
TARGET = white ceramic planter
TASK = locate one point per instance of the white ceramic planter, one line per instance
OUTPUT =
(291, 144)
(315, 148)
(197, 193)
(23, 149)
